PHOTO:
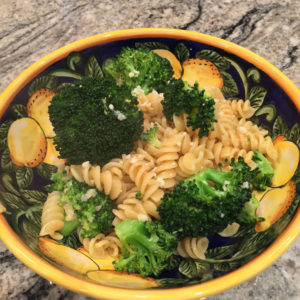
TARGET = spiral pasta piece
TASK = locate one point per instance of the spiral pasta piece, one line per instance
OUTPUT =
(102, 245)
(180, 123)
(166, 161)
(226, 119)
(249, 137)
(141, 150)
(150, 103)
(141, 172)
(232, 129)
(196, 156)
(165, 128)
(135, 209)
(108, 180)
(192, 163)
(242, 109)
(127, 186)
(220, 153)
(193, 247)
(52, 217)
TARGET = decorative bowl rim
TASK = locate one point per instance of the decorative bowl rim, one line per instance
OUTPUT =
(76, 284)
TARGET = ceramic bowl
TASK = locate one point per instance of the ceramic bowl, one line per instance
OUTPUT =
(244, 75)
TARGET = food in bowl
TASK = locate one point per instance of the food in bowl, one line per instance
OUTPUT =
(150, 168)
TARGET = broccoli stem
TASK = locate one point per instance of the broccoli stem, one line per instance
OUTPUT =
(69, 227)
(219, 178)
(134, 233)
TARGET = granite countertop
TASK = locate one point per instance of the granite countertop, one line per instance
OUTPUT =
(29, 29)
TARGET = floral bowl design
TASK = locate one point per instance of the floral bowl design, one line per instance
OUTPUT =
(29, 158)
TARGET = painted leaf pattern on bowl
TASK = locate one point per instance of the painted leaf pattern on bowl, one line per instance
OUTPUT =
(25, 177)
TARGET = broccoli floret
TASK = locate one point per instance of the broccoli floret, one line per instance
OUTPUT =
(58, 182)
(92, 208)
(146, 247)
(151, 137)
(263, 174)
(140, 67)
(181, 98)
(95, 120)
(196, 208)
(248, 213)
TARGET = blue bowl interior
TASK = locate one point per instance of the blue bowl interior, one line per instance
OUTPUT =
(285, 109)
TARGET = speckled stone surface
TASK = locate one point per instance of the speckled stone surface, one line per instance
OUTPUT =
(29, 29)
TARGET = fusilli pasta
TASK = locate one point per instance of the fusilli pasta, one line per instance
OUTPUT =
(234, 130)
(166, 162)
(141, 172)
(152, 170)
(52, 217)
(195, 158)
(150, 103)
(102, 245)
(242, 109)
(135, 209)
(109, 179)
(193, 247)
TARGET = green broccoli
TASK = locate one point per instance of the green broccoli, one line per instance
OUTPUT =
(181, 98)
(146, 247)
(69, 227)
(248, 213)
(150, 136)
(196, 208)
(139, 67)
(58, 182)
(96, 120)
(92, 208)
(138, 196)
(263, 174)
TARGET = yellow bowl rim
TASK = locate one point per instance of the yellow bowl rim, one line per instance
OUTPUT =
(76, 284)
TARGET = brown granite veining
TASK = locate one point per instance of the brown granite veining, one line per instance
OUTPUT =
(30, 29)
